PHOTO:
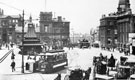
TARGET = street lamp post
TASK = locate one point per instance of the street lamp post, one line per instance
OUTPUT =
(72, 35)
(22, 42)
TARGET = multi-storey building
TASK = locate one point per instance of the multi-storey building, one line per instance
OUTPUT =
(8, 24)
(114, 30)
(108, 31)
(53, 29)
(125, 23)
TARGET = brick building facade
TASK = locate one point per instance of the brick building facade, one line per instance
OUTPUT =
(53, 29)
(8, 24)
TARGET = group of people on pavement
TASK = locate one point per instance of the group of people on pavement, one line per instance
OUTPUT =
(7, 45)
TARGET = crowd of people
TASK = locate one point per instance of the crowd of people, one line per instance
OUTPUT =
(126, 49)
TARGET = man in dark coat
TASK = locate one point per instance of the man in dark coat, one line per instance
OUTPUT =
(101, 57)
(13, 66)
(12, 56)
(111, 61)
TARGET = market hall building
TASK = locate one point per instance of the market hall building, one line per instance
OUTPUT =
(115, 29)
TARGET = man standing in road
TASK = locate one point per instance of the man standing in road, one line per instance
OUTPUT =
(13, 66)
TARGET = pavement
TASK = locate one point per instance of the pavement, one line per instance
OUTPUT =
(76, 57)
(6, 71)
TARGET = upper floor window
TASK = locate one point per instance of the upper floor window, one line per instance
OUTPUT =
(57, 30)
(115, 31)
(46, 28)
(115, 41)
(111, 23)
(108, 31)
(10, 21)
(102, 23)
(14, 21)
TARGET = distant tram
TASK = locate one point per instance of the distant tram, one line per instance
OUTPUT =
(52, 61)
(84, 44)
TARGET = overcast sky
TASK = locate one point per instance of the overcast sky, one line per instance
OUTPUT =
(82, 14)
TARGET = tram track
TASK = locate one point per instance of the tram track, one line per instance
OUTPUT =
(5, 56)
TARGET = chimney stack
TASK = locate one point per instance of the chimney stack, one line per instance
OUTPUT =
(1, 12)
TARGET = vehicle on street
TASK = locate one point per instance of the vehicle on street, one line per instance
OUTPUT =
(84, 44)
(52, 61)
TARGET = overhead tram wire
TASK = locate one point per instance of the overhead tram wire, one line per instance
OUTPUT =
(11, 6)
(18, 9)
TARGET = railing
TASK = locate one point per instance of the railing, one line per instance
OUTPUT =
(5, 56)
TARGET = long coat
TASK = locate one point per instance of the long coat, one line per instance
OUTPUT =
(111, 62)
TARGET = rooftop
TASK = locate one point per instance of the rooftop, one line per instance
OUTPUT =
(123, 1)
(11, 16)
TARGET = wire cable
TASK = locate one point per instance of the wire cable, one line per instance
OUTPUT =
(11, 6)
(26, 13)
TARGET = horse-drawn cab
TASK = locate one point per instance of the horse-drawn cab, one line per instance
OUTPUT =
(78, 74)
(126, 69)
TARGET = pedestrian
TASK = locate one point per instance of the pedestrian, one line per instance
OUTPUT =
(13, 66)
(101, 57)
(12, 56)
(111, 62)
(11, 45)
(87, 74)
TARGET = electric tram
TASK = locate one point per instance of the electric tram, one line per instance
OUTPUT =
(84, 44)
(51, 61)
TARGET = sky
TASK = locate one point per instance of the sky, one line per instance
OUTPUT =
(82, 14)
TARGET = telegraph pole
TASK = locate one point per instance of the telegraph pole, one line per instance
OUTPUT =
(22, 42)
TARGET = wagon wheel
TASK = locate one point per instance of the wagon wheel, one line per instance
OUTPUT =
(66, 77)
